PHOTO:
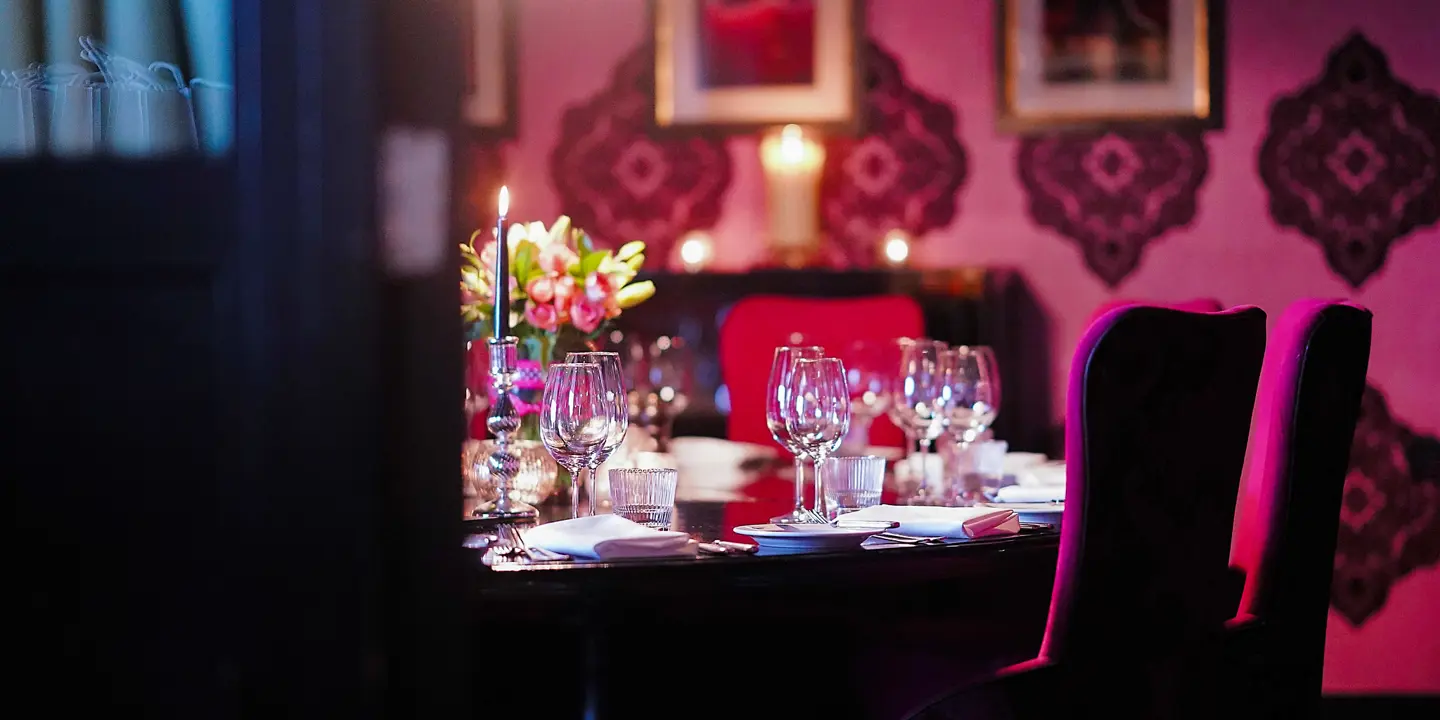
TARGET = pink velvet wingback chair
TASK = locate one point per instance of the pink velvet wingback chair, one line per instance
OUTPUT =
(1308, 404)
(1156, 422)
(755, 326)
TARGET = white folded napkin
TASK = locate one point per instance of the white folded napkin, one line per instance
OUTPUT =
(1050, 473)
(1018, 462)
(1031, 494)
(607, 537)
(969, 522)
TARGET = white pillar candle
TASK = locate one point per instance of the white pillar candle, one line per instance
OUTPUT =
(792, 164)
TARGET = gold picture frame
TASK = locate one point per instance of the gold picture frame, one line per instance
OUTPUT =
(1091, 64)
(705, 80)
(490, 104)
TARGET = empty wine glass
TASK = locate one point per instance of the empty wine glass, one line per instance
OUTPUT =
(777, 397)
(575, 423)
(973, 380)
(817, 412)
(921, 401)
(613, 382)
(661, 388)
(870, 374)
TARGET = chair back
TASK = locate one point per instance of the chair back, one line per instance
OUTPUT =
(755, 326)
(1308, 405)
(1157, 417)
(1198, 305)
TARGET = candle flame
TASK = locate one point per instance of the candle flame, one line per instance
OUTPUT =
(792, 144)
(504, 201)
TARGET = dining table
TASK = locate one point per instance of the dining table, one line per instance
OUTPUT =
(864, 632)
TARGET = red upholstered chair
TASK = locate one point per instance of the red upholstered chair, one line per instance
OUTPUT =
(1158, 413)
(755, 326)
(1308, 404)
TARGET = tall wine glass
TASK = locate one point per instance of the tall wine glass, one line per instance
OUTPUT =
(613, 382)
(974, 382)
(817, 413)
(921, 400)
(575, 423)
(870, 375)
(777, 397)
(661, 391)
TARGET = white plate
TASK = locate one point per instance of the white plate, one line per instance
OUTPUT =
(808, 537)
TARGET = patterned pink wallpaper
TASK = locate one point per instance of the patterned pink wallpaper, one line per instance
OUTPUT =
(1226, 244)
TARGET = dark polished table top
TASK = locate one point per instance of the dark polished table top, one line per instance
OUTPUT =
(713, 515)
(909, 621)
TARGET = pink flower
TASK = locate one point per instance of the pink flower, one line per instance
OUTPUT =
(557, 258)
(599, 288)
(541, 316)
(564, 289)
(587, 315)
(541, 289)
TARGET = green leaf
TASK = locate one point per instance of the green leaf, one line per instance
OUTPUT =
(584, 243)
(629, 250)
(526, 255)
(590, 263)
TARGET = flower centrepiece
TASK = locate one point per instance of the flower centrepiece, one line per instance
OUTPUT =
(563, 290)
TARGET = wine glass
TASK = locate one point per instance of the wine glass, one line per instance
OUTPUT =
(870, 374)
(921, 400)
(777, 396)
(661, 388)
(613, 381)
(575, 423)
(817, 412)
(973, 379)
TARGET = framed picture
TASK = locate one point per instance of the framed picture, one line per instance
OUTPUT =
(489, 105)
(742, 65)
(1071, 64)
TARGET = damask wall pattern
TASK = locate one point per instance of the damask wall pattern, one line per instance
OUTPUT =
(1113, 193)
(904, 173)
(621, 183)
(1390, 513)
(1352, 160)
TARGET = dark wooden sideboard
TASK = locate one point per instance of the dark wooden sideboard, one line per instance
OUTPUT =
(961, 306)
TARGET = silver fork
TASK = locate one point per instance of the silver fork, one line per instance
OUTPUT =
(534, 554)
(910, 539)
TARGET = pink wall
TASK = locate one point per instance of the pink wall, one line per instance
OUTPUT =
(1232, 251)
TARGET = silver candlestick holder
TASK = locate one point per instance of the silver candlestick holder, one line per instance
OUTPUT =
(504, 421)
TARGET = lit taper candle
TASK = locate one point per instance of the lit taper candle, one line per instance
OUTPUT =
(502, 269)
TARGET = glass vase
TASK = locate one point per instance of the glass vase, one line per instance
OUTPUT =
(534, 483)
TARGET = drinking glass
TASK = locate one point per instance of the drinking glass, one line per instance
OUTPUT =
(852, 483)
(575, 423)
(777, 397)
(613, 382)
(645, 496)
(921, 400)
(973, 380)
(661, 387)
(817, 413)
(870, 374)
